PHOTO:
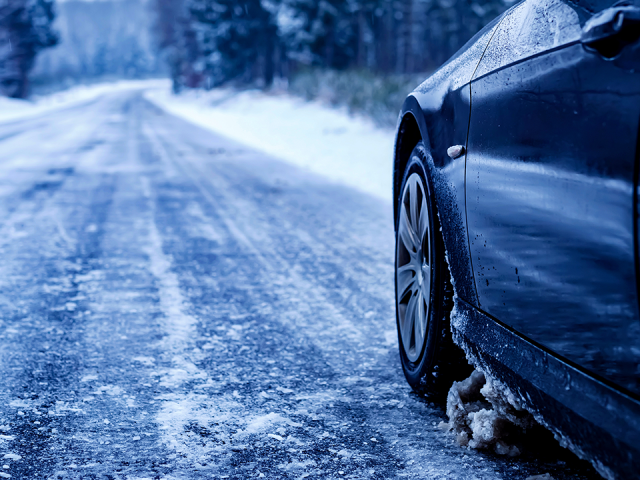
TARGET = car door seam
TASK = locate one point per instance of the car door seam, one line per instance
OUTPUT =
(466, 153)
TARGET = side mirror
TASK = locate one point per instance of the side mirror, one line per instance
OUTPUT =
(611, 30)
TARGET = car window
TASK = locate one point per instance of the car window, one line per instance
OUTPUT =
(529, 28)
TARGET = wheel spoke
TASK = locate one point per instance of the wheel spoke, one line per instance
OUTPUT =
(406, 279)
(426, 284)
(409, 321)
(423, 222)
(413, 205)
(406, 233)
(419, 323)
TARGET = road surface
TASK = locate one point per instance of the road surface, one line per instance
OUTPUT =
(174, 305)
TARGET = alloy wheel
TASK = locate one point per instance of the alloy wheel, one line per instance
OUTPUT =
(413, 267)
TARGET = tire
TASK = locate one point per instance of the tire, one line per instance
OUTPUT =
(424, 294)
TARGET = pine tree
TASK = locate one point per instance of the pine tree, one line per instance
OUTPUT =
(237, 39)
(177, 40)
(323, 33)
(25, 29)
(251, 40)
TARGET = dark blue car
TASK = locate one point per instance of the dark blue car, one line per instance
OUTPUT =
(516, 212)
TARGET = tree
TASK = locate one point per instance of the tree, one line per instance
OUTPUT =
(251, 40)
(25, 29)
(323, 33)
(177, 40)
(237, 39)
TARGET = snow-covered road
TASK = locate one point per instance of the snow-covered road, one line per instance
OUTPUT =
(174, 305)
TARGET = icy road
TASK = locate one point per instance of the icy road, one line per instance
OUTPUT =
(174, 305)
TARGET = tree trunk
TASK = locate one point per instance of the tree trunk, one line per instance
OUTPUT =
(408, 23)
(362, 47)
(269, 59)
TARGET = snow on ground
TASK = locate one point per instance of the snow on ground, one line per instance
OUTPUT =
(347, 149)
(344, 148)
(14, 109)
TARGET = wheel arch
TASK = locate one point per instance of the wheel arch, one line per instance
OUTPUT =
(429, 117)
(411, 130)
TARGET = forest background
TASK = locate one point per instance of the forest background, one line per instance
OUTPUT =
(366, 54)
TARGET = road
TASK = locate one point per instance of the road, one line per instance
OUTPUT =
(174, 305)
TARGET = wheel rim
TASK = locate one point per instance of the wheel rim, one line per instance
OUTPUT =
(413, 267)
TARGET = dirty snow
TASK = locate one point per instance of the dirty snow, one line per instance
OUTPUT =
(483, 415)
(507, 406)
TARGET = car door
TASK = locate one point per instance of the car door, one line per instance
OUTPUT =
(551, 181)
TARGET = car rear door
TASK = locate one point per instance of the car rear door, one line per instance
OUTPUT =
(551, 177)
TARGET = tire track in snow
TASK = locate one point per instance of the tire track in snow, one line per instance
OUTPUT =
(259, 421)
(306, 301)
(290, 283)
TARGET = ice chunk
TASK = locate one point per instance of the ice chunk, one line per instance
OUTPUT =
(483, 415)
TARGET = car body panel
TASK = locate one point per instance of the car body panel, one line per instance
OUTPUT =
(440, 109)
(588, 191)
(550, 195)
(592, 418)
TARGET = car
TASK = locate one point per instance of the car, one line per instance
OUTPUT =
(515, 186)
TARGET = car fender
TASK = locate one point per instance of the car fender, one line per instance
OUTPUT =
(430, 117)
(437, 112)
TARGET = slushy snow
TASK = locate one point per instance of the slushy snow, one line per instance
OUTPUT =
(482, 415)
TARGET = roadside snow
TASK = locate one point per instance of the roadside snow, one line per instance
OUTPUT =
(13, 109)
(327, 141)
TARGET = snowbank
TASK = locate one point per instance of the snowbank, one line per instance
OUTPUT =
(12, 109)
(327, 141)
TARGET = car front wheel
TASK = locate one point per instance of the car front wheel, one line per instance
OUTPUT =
(424, 294)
